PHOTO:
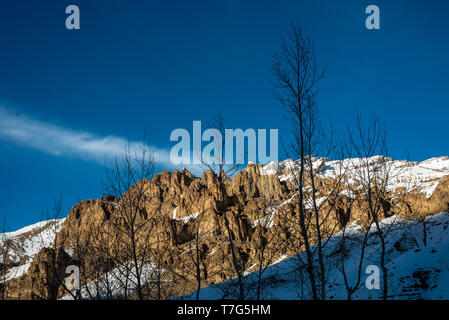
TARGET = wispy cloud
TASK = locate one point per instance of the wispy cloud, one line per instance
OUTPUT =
(60, 141)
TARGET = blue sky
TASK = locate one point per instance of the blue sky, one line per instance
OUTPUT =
(70, 97)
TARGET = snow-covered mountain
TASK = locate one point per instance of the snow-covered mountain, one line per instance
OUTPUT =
(258, 196)
(417, 260)
(421, 176)
(19, 248)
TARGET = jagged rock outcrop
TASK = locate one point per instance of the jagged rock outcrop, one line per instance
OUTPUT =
(47, 273)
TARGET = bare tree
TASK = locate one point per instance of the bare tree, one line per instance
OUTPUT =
(198, 252)
(349, 244)
(112, 272)
(373, 172)
(53, 255)
(83, 244)
(296, 75)
(200, 256)
(268, 245)
(162, 275)
(128, 179)
(221, 172)
(352, 288)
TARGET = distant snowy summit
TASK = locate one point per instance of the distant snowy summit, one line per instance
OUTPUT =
(423, 176)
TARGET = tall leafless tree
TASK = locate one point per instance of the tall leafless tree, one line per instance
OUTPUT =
(128, 179)
(222, 171)
(296, 75)
(350, 244)
(198, 252)
(373, 174)
(58, 259)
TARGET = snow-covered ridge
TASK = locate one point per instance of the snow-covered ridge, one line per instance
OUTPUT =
(119, 282)
(417, 256)
(421, 176)
(30, 228)
(21, 246)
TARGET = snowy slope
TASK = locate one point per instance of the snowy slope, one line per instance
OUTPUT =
(21, 246)
(417, 262)
(118, 282)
